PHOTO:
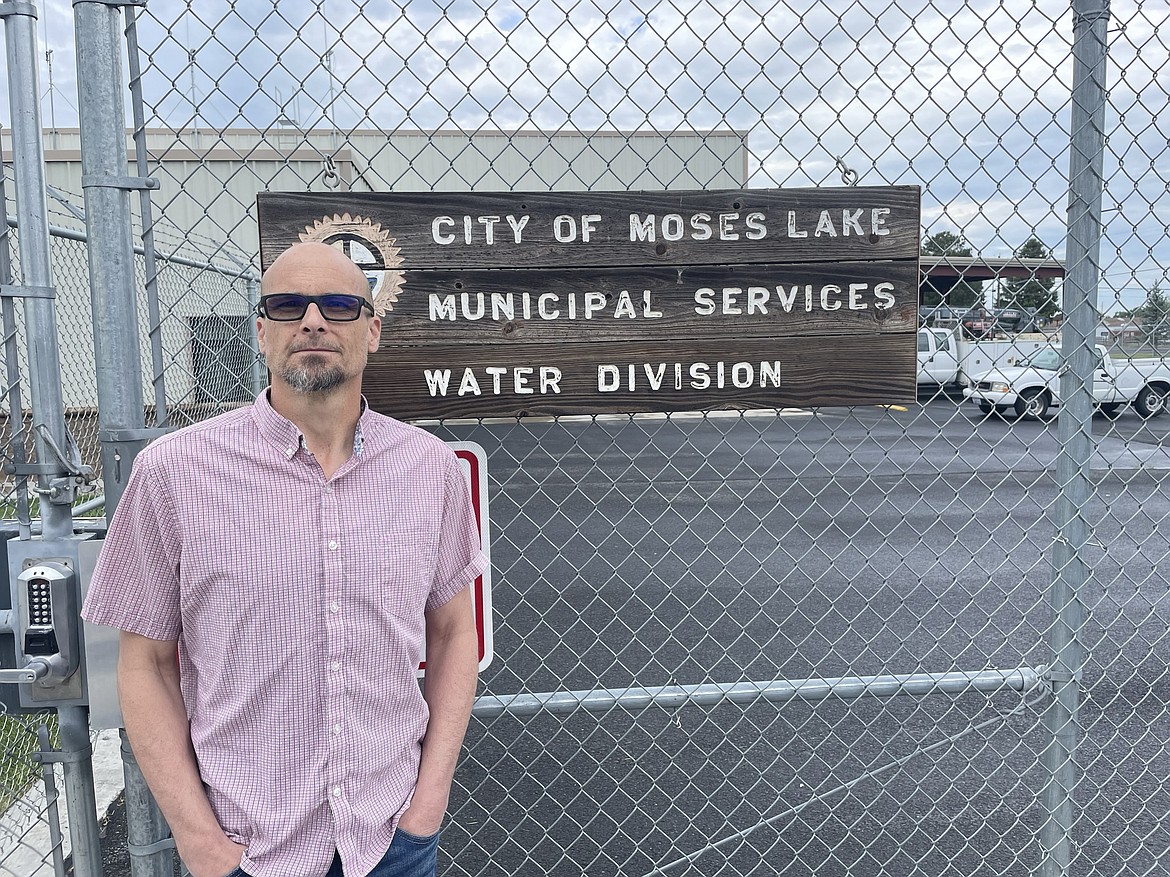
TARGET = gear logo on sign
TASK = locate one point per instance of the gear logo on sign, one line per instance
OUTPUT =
(370, 247)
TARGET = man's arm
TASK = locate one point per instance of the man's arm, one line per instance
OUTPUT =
(449, 689)
(160, 735)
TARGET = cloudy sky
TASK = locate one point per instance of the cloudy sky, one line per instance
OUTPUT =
(967, 98)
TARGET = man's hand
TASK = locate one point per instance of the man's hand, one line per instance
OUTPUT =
(420, 824)
(215, 861)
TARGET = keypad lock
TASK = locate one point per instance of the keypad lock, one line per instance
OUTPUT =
(46, 632)
(39, 637)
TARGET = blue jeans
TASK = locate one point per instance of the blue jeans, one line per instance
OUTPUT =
(409, 856)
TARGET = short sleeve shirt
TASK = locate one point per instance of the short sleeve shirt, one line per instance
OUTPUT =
(298, 605)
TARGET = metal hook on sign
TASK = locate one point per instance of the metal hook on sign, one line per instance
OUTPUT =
(332, 178)
(848, 175)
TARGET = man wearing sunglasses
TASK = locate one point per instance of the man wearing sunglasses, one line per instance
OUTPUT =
(297, 554)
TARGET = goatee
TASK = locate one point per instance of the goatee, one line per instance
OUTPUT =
(312, 377)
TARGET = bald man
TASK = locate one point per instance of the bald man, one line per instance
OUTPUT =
(296, 555)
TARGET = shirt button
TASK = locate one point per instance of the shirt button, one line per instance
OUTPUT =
(332, 544)
(329, 488)
(337, 729)
(335, 666)
(333, 607)
(337, 791)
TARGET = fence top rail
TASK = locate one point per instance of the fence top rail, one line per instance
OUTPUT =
(74, 235)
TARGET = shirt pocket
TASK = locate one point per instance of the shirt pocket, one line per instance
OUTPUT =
(404, 561)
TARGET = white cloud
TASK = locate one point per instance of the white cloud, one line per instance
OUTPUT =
(968, 98)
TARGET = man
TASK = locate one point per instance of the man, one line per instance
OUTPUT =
(295, 554)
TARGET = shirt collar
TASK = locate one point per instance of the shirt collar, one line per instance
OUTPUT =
(282, 433)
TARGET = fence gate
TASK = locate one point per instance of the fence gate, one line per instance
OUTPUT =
(916, 638)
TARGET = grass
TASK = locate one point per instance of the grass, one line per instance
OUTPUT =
(18, 741)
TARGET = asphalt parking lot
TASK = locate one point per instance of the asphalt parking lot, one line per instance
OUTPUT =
(798, 544)
(810, 544)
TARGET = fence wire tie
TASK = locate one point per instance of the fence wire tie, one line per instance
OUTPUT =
(72, 461)
(1090, 16)
(103, 181)
(159, 846)
(76, 472)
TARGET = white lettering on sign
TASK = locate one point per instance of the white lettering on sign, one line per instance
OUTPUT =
(498, 380)
(650, 227)
(612, 378)
(441, 225)
(502, 306)
(565, 227)
(855, 222)
(733, 301)
(829, 300)
(642, 229)
(673, 226)
(727, 301)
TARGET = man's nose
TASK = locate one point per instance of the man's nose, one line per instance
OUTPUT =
(313, 318)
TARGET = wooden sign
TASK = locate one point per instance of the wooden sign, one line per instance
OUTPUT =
(512, 304)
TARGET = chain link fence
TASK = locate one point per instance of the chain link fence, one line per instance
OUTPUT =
(200, 351)
(739, 643)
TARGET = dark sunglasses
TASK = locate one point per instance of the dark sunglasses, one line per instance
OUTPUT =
(337, 307)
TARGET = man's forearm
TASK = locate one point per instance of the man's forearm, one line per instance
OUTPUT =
(160, 735)
(449, 690)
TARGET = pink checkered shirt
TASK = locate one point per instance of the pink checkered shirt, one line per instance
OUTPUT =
(297, 603)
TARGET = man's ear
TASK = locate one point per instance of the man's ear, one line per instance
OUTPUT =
(260, 335)
(375, 333)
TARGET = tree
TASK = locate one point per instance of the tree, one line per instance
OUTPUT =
(944, 290)
(945, 243)
(1155, 316)
(1036, 293)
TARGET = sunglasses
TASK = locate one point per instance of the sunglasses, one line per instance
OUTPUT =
(337, 307)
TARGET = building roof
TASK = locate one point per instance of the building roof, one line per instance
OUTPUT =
(986, 268)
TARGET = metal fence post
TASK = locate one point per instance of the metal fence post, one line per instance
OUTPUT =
(115, 324)
(11, 353)
(149, 255)
(1072, 465)
(111, 243)
(53, 439)
(28, 158)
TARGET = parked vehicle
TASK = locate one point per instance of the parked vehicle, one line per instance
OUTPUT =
(1032, 387)
(1015, 321)
(941, 317)
(946, 357)
(978, 322)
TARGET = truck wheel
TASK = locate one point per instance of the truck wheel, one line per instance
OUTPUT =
(1032, 404)
(1151, 401)
(986, 407)
(1110, 409)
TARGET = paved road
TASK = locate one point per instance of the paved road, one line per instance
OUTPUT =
(678, 550)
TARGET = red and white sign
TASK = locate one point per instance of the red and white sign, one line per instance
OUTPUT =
(473, 461)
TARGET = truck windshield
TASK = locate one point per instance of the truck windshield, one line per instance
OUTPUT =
(1045, 360)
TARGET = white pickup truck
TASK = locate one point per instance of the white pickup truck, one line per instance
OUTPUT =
(946, 357)
(1032, 386)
